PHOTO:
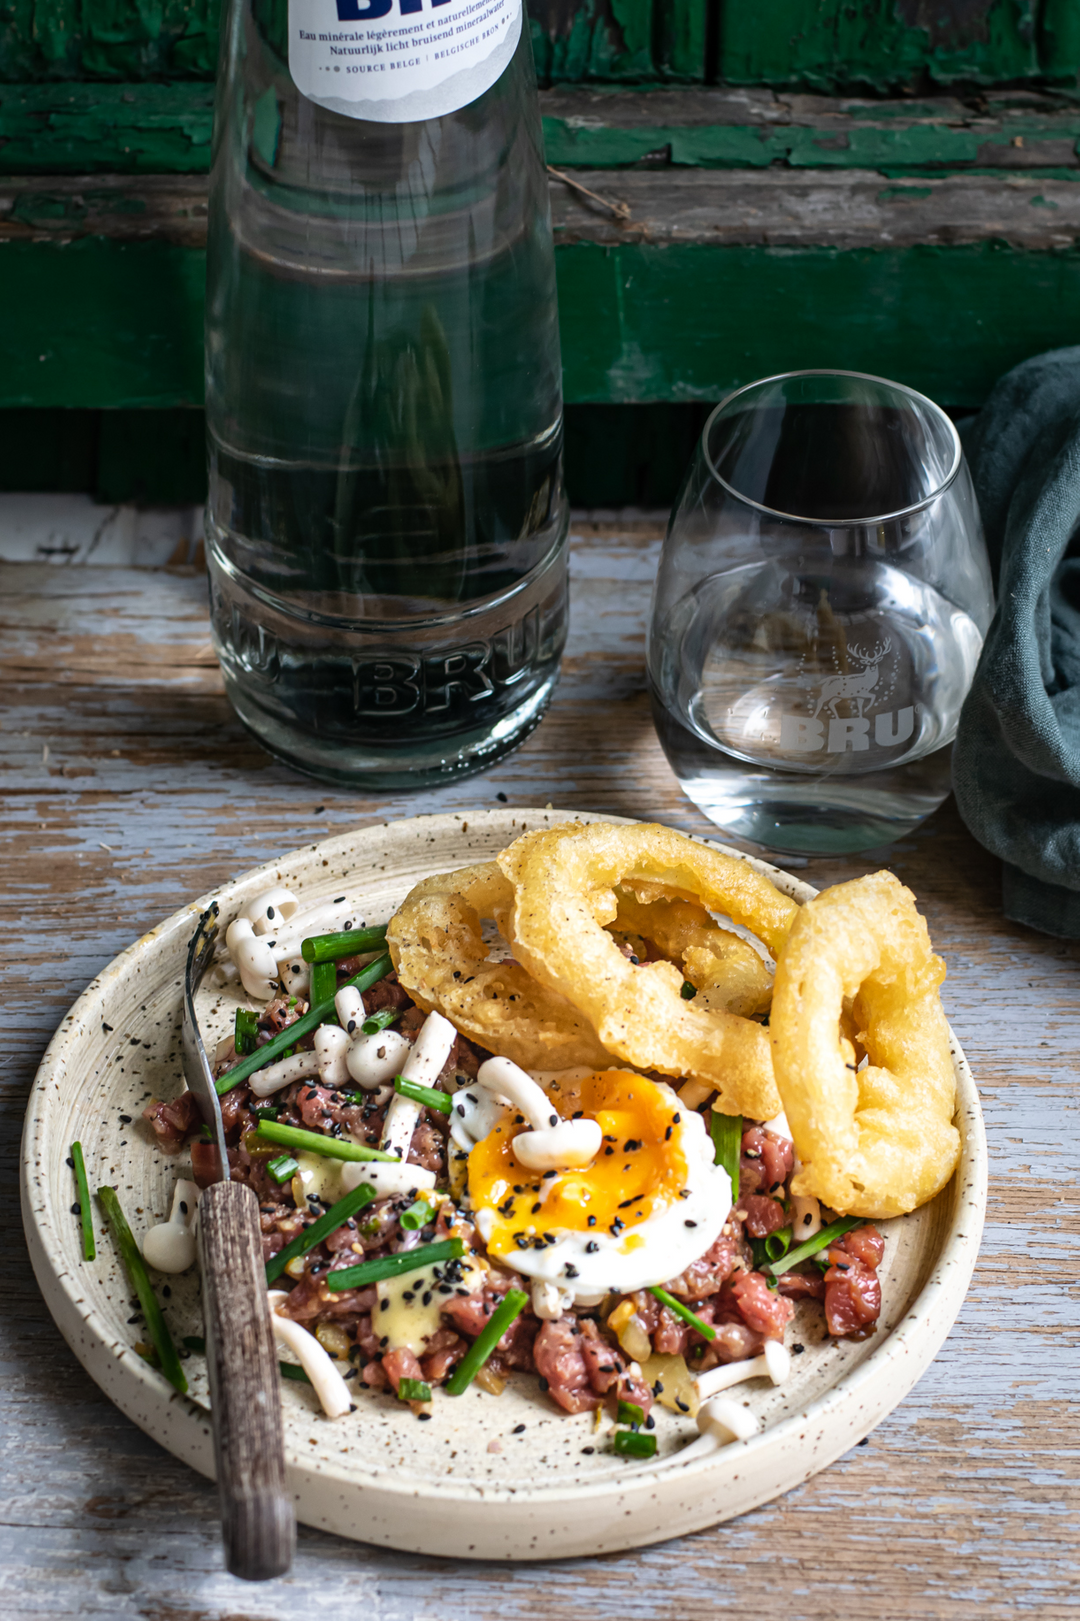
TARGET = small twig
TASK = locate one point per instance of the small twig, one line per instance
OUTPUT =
(621, 211)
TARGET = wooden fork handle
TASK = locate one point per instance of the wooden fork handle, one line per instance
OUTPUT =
(257, 1520)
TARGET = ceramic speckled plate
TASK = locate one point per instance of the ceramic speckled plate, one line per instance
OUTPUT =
(504, 1477)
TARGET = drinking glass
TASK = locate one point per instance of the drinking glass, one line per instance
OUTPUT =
(821, 600)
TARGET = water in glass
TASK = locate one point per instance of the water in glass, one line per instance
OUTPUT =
(820, 606)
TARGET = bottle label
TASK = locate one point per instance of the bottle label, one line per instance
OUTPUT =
(399, 61)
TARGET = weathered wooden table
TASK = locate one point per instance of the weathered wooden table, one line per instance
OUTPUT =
(128, 788)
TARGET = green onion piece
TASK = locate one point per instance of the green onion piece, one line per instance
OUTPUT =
(135, 1267)
(86, 1215)
(323, 982)
(820, 1241)
(266, 1111)
(346, 943)
(628, 1412)
(687, 993)
(513, 1303)
(778, 1243)
(629, 1444)
(315, 1143)
(422, 1094)
(684, 1312)
(293, 1370)
(418, 1215)
(287, 1370)
(282, 1168)
(245, 1031)
(310, 1021)
(328, 1223)
(726, 1132)
(392, 1266)
(413, 1390)
(379, 1021)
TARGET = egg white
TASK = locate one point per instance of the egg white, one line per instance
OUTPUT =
(649, 1251)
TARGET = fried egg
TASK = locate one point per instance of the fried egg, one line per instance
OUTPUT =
(650, 1202)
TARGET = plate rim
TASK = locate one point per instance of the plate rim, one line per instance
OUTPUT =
(907, 1349)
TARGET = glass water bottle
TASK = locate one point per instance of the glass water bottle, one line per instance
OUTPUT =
(386, 523)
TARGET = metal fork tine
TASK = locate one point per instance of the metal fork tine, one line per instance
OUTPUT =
(197, 1070)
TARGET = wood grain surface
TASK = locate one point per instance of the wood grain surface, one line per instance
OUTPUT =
(128, 787)
(258, 1526)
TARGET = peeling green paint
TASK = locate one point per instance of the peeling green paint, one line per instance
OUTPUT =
(879, 45)
(96, 128)
(592, 39)
(756, 146)
(128, 40)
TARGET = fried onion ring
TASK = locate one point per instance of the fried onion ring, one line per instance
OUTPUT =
(564, 882)
(441, 958)
(878, 1141)
(728, 974)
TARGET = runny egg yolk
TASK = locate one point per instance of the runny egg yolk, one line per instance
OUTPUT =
(640, 1167)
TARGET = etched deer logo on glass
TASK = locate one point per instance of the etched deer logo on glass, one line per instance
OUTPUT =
(819, 609)
(858, 687)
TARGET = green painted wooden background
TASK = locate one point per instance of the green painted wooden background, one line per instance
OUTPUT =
(877, 45)
(103, 337)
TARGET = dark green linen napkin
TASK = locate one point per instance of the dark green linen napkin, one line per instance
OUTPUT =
(1016, 762)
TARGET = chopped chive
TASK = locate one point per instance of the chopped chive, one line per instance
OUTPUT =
(287, 1370)
(629, 1444)
(328, 1223)
(684, 1312)
(688, 991)
(726, 1133)
(413, 1390)
(86, 1215)
(512, 1305)
(323, 982)
(820, 1241)
(266, 1111)
(315, 1143)
(422, 1094)
(316, 1015)
(135, 1267)
(628, 1412)
(777, 1244)
(418, 1215)
(293, 1370)
(245, 1031)
(346, 943)
(379, 1021)
(282, 1168)
(393, 1266)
